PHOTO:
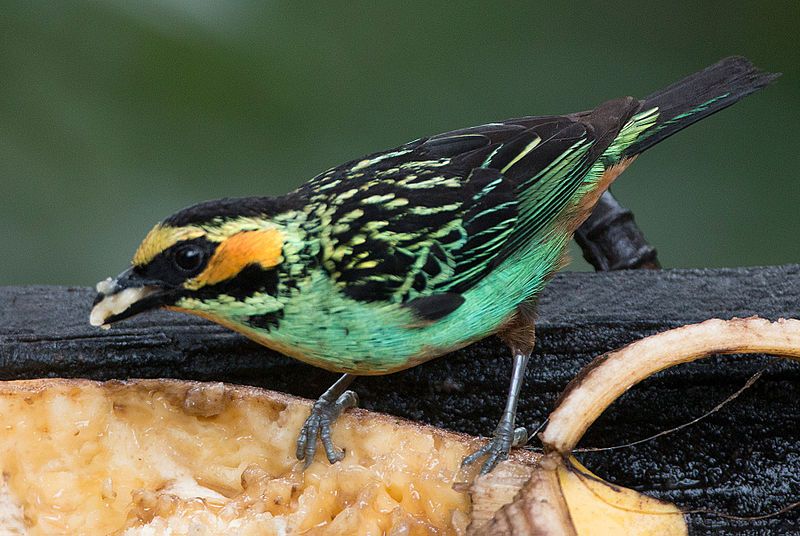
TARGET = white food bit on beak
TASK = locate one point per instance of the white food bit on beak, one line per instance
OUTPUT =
(106, 286)
(116, 303)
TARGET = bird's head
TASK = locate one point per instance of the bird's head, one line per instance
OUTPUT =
(218, 259)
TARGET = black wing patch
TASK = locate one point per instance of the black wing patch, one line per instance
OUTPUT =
(454, 145)
(436, 306)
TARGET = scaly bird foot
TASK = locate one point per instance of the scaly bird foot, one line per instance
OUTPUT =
(318, 425)
(505, 437)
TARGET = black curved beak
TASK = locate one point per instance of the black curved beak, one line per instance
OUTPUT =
(125, 296)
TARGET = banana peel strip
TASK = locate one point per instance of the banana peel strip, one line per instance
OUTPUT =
(562, 497)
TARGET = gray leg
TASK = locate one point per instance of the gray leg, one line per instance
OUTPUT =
(505, 435)
(324, 413)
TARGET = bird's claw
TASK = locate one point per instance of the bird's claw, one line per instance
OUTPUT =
(497, 449)
(318, 425)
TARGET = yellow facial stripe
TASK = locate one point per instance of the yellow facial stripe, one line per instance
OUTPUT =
(160, 238)
(263, 247)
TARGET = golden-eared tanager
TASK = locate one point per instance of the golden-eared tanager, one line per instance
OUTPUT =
(404, 255)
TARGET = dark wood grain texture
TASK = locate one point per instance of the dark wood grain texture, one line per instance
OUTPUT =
(744, 460)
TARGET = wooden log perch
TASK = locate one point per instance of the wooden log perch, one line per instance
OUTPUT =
(741, 460)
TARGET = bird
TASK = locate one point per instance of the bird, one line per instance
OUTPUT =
(405, 255)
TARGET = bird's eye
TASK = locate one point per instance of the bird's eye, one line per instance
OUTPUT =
(189, 258)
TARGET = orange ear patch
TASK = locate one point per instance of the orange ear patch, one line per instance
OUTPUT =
(233, 254)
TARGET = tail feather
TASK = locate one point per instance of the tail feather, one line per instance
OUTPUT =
(700, 95)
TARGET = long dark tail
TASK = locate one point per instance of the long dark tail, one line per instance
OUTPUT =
(699, 95)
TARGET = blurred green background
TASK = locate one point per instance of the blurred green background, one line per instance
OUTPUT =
(114, 114)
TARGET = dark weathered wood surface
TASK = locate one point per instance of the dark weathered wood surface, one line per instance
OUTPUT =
(744, 460)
